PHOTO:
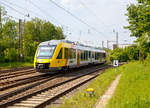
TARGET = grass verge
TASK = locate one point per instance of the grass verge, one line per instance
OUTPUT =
(100, 84)
(133, 90)
(14, 65)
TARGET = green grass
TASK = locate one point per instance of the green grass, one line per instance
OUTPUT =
(133, 90)
(14, 65)
(82, 100)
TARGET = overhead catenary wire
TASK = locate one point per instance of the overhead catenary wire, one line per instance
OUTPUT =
(90, 11)
(21, 13)
(10, 3)
(94, 14)
(13, 17)
(44, 12)
(74, 16)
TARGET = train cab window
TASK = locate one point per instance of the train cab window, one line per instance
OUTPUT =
(60, 54)
(45, 51)
(66, 53)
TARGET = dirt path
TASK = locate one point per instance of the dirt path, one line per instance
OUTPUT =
(102, 103)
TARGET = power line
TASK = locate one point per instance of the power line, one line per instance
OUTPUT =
(43, 11)
(13, 17)
(14, 9)
(80, 20)
(83, 4)
(94, 14)
(21, 7)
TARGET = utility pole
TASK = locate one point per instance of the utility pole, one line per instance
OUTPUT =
(0, 21)
(0, 26)
(24, 50)
(107, 44)
(20, 40)
(102, 44)
(107, 52)
(117, 39)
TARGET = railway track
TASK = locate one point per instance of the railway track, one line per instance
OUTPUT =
(9, 75)
(25, 81)
(14, 69)
(38, 96)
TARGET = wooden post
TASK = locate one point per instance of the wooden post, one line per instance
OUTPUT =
(107, 52)
(103, 44)
(20, 40)
(24, 50)
(0, 21)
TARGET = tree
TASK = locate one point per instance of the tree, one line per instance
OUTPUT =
(139, 25)
(124, 55)
(37, 31)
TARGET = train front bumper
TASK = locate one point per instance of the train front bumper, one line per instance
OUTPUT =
(43, 66)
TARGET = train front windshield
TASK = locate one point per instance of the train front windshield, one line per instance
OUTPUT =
(45, 51)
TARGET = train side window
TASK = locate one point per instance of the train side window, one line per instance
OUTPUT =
(92, 54)
(104, 55)
(71, 53)
(96, 56)
(60, 54)
(74, 53)
(86, 55)
(66, 53)
(89, 54)
(82, 55)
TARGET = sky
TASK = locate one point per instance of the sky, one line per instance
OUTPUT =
(99, 19)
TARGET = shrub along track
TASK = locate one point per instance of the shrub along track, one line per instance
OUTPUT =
(39, 96)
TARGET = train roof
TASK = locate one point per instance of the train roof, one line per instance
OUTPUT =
(75, 45)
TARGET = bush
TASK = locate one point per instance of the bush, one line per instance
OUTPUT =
(124, 55)
(11, 55)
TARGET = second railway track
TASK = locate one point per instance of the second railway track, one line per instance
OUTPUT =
(8, 75)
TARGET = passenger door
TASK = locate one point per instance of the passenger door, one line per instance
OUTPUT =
(59, 59)
(78, 58)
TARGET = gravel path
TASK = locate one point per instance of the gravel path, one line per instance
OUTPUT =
(102, 103)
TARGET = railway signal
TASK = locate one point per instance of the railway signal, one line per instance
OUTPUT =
(115, 64)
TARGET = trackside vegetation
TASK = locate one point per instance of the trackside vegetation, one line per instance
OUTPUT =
(138, 18)
(124, 54)
(133, 90)
(82, 99)
(34, 31)
(15, 65)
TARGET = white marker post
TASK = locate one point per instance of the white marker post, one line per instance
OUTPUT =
(115, 64)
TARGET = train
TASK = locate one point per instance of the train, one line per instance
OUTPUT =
(56, 55)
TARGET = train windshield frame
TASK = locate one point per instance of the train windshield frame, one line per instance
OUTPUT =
(45, 51)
